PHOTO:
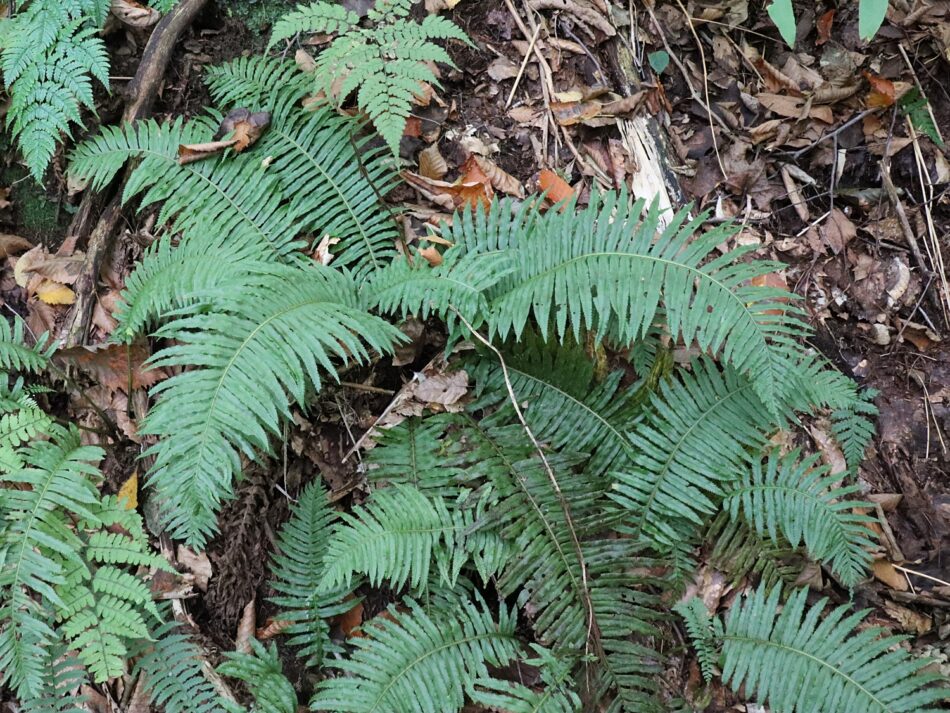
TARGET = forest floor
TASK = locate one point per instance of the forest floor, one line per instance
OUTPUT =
(800, 148)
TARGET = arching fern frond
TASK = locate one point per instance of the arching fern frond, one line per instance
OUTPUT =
(740, 552)
(853, 427)
(417, 662)
(267, 344)
(297, 570)
(692, 442)
(788, 657)
(803, 502)
(62, 678)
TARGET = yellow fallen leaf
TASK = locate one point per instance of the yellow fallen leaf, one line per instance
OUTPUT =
(53, 293)
(884, 571)
(130, 491)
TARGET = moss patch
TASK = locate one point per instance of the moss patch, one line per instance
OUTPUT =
(257, 14)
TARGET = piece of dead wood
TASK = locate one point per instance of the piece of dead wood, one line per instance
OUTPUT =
(142, 92)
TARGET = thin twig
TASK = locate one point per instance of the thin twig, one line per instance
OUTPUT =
(593, 631)
(524, 64)
(824, 137)
(921, 574)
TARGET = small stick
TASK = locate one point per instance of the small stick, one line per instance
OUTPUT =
(524, 64)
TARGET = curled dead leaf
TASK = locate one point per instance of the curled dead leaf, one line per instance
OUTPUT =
(246, 628)
(500, 179)
(242, 126)
(555, 188)
(432, 164)
(134, 14)
(431, 255)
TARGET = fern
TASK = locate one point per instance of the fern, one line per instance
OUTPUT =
(15, 355)
(62, 675)
(383, 64)
(297, 572)
(415, 662)
(740, 552)
(692, 442)
(50, 52)
(853, 427)
(804, 502)
(171, 668)
(605, 271)
(262, 671)
(793, 660)
(267, 344)
(556, 696)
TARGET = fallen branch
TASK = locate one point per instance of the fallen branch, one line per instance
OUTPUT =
(142, 92)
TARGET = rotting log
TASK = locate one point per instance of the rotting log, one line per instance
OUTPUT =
(141, 94)
(645, 140)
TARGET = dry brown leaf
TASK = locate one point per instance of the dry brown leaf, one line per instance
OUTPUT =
(432, 164)
(527, 115)
(13, 245)
(887, 501)
(837, 231)
(823, 26)
(828, 448)
(502, 68)
(244, 128)
(246, 628)
(795, 195)
(109, 365)
(38, 261)
(884, 571)
(912, 622)
(774, 79)
(500, 179)
(5, 198)
(349, 621)
(571, 113)
(134, 14)
(197, 563)
(794, 107)
(431, 255)
(305, 61)
(55, 293)
(555, 188)
(322, 252)
(442, 389)
(272, 627)
(882, 94)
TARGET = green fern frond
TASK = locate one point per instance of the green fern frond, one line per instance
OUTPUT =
(15, 355)
(37, 544)
(264, 676)
(556, 697)
(740, 552)
(804, 502)
(62, 677)
(691, 443)
(413, 453)
(21, 426)
(393, 537)
(563, 402)
(419, 662)
(384, 64)
(853, 427)
(297, 571)
(318, 17)
(50, 51)
(173, 677)
(788, 657)
(268, 344)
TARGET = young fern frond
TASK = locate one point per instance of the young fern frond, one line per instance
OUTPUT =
(297, 571)
(853, 427)
(266, 345)
(692, 442)
(264, 676)
(803, 501)
(790, 658)
(385, 64)
(419, 662)
(171, 668)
